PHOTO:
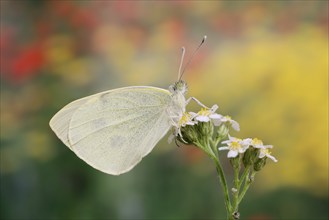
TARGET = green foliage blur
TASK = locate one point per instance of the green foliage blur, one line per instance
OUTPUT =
(265, 63)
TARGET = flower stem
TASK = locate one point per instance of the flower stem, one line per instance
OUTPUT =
(236, 188)
(244, 175)
(223, 182)
(247, 183)
(220, 172)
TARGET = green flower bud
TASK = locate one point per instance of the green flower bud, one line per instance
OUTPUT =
(250, 156)
(189, 134)
(260, 163)
(206, 129)
(235, 161)
(222, 131)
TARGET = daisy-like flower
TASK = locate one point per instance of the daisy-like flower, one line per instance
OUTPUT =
(219, 119)
(205, 115)
(256, 143)
(185, 119)
(264, 152)
(246, 142)
(235, 146)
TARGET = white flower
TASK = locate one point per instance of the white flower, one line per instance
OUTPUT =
(205, 115)
(264, 152)
(235, 146)
(264, 149)
(219, 119)
(246, 142)
(256, 143)
(185, 119)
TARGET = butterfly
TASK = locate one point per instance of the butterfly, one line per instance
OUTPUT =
(113, 130)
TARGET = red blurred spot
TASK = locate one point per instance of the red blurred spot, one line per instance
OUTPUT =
(62, 8)
(44, 29)
(82, 17)
(176, 29)
(127, 10)
(193, 154)
(27, 63)
(228, 23)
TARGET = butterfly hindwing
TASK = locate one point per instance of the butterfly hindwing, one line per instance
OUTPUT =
(61, 120)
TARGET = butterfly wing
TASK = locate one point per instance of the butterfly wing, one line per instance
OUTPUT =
(114, 130)
(61, 120)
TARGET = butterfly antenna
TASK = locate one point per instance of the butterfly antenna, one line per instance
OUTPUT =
(181, 62)
(191, 57)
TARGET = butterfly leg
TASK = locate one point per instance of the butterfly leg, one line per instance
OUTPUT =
(176, 142)
(197, 101)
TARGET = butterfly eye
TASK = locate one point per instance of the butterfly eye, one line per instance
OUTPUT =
(172, 88)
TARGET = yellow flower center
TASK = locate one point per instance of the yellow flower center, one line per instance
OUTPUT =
(228, 117)
(204, 112)
(235, 145)
(266, 151)
(256, 141)
(184, 119)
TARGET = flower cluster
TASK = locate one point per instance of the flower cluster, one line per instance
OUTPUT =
(236, 146)
(207, 129)
(251, 151)
(192, 127)
(198, 128)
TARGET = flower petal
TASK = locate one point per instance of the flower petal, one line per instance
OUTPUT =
(214, 108)
(216, 119)
(232, 154)
(202, 118)
(226, 142)
(268, 146)
(223, 148)
(235, 125)
(272, 158)
(261, 154)
(191, 123)
(246, 142)
(215, 116)
(242, 149)
(193, 114)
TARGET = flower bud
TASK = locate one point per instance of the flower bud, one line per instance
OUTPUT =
(206, 129)
(222, 131)
(235, 162)
(189, 134)
(259, 164)
(250, 156)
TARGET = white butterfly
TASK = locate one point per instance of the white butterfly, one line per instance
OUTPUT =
(113, 130)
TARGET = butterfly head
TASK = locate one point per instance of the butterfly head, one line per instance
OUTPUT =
(178, 87)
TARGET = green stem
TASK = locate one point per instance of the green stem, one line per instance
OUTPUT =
(243, 176)
(212, 151)
(246, 186)
(235, 193)
(223, 182)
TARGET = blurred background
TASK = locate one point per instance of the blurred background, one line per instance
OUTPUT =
(265, 63)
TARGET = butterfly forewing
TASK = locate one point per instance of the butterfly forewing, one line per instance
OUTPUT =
(113, 131)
